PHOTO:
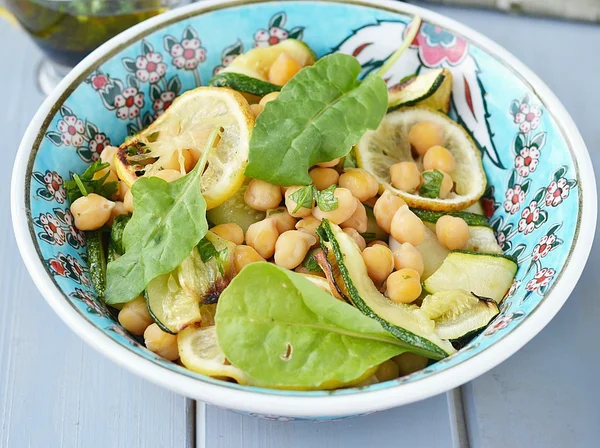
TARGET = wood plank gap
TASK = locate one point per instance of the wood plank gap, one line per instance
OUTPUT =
(200, 424)
(190, 423)
(458, 421)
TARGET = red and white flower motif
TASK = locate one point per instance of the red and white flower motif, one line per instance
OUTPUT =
(188, 53)
(129, 103)
(69, 221)
(52, 228)
(225, 61)
(529, 217)
(502, 322)
(150, 67)
(527, 161)
(544, 247)
(528, 117)
(71, 130)
(515, 196)
(77, 270)
(557, 192)
(54, 185)
(272, 36)
(513, 288)
(100, 82)
(501, 238)
(163, 102)
(58, 266)
(97, 145)
(542, 278)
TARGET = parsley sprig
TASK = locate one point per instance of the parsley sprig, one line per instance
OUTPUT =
(85, 184)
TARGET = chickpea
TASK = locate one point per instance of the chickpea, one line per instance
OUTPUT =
(439, 158)
(378, 243)
(324, 178)
(291, 205)
(379, 261)
(161, 343)
(181, 158)
(118, 209)
(267, 98)
(245, 255)
(410, 362)
(309, 225)
(329, 164)
(282, 218)
(387, 371)
(406, 227)
(261, 195)
(357, 237)
(405, 176)
(291, 248)
(452, 232)
(91, 212)
(168, 175)
(385, 208)
(262, 236)
(122, 190)
(345, 209)
(108, 156)
(358, 220)
(283, 69)
(404, 286)
(361, 183)
(231, 232)
(128, 201)
(407, 256)
(424, 135)
(112, 176)
(256, 109)
(134, 316)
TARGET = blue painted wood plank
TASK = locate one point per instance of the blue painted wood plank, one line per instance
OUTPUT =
(55, 391)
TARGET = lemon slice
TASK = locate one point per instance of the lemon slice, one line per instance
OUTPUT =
(200, 352)
(379, 149)
(186, 125)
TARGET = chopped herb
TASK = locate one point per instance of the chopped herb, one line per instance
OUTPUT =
(85, 184)
(304, 197)
(275, 211)
(326, 201)
(432, 181)
(208, 251)
(368, 235)
(309, 261)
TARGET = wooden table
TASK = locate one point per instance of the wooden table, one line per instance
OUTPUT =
(55, 391)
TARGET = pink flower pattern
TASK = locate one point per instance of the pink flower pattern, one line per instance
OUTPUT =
(542, 278)
(514, 198)
(188, 54)
(150, 67)
(272, 36)
(544, 247)
(528, 117)
(529, 216)
(557, 191)
(54, 185)
(72, 130)
(129, 103)
(527, 161)
(97, 145)
(162, 103)
(52, 228)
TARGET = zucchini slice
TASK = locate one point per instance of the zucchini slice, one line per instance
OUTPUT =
(235, 210)
(96, 260)
(486, 275)
(472, 219)
(431, 249)
(244, 83)
(476, 208)
(174, 300)
(482, 239)
(405, 322)
(431, 89)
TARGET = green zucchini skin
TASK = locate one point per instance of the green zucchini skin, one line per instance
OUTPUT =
(396, 103)
(472, 219)
(243, 83)
(96, 260)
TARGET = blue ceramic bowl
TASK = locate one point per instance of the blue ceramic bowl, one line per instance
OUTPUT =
(541, 196)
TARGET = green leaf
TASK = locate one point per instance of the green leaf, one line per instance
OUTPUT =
(326, 201)
(116, 232)
(168, 222)
(349, 160)
(432, 181)
(285, 332)
(303, 197)
(85, 184)
(317, 117)
(309, 261)
(208, 251)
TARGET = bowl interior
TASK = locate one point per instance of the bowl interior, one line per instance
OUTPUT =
(533, 197)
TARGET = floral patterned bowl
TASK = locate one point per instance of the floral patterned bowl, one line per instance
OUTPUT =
(541, 197)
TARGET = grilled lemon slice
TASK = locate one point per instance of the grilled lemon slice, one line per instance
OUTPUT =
(186, 125)
(378, 150)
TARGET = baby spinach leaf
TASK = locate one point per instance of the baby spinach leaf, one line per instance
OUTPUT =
(303, 197)
(169, 220)
(432, 181)
(326, 201)
(317, 117)
(285, 332)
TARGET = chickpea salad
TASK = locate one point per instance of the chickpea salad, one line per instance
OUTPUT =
(292, 226)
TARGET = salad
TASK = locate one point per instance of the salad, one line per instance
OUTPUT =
(295, 227)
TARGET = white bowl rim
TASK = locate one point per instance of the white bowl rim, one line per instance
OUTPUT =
(327, 405)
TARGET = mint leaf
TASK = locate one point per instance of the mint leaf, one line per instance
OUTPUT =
(317, 117)
(84, 184)
(208, 251)
(309, 261)
(303, 197)
(168, 222)
(307, 338)
(326, 201)
(432, 181)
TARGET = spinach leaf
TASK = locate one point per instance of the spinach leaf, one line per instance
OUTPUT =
(317, 117)
(303, 197)
(116, 232)
(432, 182)
(85, 184)
(169, 220)
(326, 201)
(285, 332)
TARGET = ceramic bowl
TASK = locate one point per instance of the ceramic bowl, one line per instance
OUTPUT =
(541, 198)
